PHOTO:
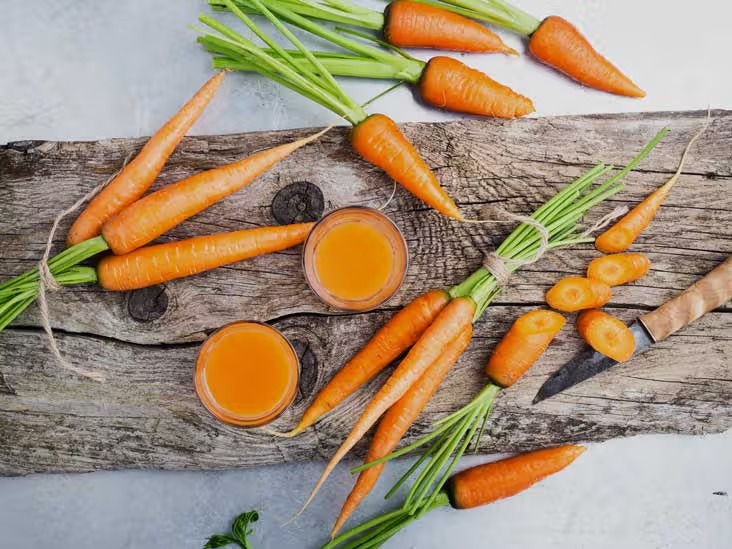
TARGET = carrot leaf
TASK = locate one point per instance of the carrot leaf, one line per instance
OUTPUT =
(240, 530)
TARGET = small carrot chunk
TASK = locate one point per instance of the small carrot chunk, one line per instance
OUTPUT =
(575, 293)
(618, 269)
(606, 334)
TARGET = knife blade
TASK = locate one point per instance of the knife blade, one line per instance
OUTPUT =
(712, 291)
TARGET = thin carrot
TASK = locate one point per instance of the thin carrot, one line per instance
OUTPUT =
(606, 334)
(449, 324)
(522, 345)
(379, 141)
(396, 422)
(490, 482)
(155, 264)
(620, 236)
(618, 269)
(575, 293)
(417, 25)
(153, 215)
(559, 44)
(137, 176)
(392, 339)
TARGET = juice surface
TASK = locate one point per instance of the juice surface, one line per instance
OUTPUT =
(249, 371)
(354, 260)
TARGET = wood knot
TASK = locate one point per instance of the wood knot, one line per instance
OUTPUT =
(148, 304)
(299, 202)
(308, 367)
(22, 146)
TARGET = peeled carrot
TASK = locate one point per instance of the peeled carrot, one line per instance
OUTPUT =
(153, 215)
(606, 334)
(522, 345)
(618, 269)
(397, 420)
(137, 176)
(392, 339)
(379, 141)
(155, 264)
(416, 25)
(449, 324)
(449, 84)
(490, 482)
(575, 293)
(559, 44)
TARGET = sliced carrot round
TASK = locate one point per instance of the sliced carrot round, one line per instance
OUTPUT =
(575, 293)
(618, 269)
(606, 334)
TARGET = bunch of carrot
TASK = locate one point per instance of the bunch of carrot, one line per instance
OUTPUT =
(435, 329)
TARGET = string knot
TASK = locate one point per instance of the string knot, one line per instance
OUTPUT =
(47, 280)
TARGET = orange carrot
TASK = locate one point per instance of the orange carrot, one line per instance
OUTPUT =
(379, 141)
(153, 215)
(155, 264)
(575, 293)
(417, 25)
(397, 420)
(392, 339)
(137, 176)
(447, 83)
(606, 334)
(490, 482)
(449, 324)
(559, 44)
(618, 269)
(522, 345)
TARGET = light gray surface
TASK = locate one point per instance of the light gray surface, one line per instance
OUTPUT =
(77, 69)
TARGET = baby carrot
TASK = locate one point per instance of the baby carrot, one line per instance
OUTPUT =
(559, 44)
(155, 264)
(606, 334)
(575, 293)
(392, 339)
(137, 176)
(618, 269)
(522, 345)
(396, 422)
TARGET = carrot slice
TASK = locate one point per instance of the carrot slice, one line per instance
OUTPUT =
(606, 334)
(618, 269)
(575, 293)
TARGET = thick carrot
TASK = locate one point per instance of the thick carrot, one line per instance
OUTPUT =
(522, 345)
(618, 269)
(449, 324)
(606, 334)
(153, 215)
(392, 339)
(575, 293)
(396, 422)
(155, 264)
(490, 482)
(137, 176)
(559, 44)
(447, 83)
(416, 25)
(379, 141)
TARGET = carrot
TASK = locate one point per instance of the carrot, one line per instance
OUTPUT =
(559, 44)
(397, 420)
(606, 334)
(449, 324)
(575, 293)
(417, 25)
(379, 141)
(153, 215)
(618, 269)
(449, 84)
(155, 264)
(392, 339)
(522, 345)
(137, 176)
(490, 482)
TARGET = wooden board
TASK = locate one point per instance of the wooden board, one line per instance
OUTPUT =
(146, 414)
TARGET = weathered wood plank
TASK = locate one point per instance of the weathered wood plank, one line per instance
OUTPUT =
(146, 414)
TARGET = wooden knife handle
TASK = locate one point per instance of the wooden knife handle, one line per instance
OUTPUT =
(710, 292)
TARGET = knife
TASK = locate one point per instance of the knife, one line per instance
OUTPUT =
(707, 294)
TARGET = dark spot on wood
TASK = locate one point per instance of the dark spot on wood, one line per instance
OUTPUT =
(22, 146)
(5, 387)
(299, 202)
(719, 493)
(148, 304)
(308, 367)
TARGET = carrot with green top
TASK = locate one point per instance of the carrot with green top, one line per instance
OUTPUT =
(606, 334)
(575, 293)
(618, 269)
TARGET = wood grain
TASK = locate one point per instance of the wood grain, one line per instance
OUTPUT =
(146, 414)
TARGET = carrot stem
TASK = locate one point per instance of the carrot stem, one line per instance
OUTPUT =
(496, 12)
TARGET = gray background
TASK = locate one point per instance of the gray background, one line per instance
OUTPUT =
(82, 69)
